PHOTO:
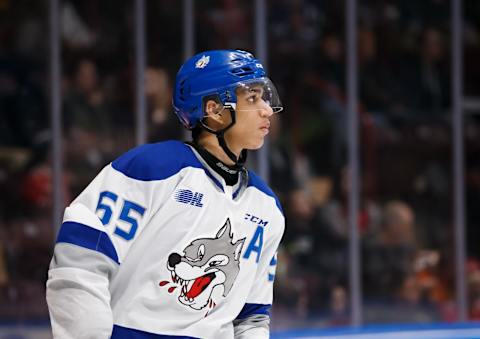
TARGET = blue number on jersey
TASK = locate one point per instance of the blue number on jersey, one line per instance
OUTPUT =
(273, 263)
(107, 211)
(124, 215)
(128, 206)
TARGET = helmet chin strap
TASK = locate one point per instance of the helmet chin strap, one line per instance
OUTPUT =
(238, 162)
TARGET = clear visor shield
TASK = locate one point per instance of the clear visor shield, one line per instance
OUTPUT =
(253, 92)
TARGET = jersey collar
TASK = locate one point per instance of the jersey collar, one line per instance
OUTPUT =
(218, 180)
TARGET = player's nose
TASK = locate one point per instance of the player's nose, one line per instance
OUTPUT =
(266, 110)
(174, 259)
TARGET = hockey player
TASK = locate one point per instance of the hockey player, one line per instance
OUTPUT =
(177, 240)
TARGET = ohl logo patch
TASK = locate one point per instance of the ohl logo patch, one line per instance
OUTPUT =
(188, 197)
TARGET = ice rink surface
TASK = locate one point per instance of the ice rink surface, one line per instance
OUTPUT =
(437, 331)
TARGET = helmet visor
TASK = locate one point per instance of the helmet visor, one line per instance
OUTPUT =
(261, 88)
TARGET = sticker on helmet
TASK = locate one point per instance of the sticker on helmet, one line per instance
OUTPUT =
(202, 62)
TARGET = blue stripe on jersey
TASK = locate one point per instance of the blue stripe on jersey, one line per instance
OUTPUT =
(234, 195)
(215, 180)
(120, 332)
(156, 161)
(251, 309)
(242, 178)
(88, 237)
(255, 181)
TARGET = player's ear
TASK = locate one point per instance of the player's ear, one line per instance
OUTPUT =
(213, 110)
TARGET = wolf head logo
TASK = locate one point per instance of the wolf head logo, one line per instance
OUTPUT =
(207, 264)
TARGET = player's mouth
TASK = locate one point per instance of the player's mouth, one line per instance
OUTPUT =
(265, 128)
(192, 288)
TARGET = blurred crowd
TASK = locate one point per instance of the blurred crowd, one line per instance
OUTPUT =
(405, 219)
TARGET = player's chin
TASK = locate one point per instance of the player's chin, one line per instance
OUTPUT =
(256, 144)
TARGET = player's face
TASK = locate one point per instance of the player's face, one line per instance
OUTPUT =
(253, 119)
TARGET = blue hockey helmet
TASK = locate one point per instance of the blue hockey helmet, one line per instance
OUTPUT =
(217, 75)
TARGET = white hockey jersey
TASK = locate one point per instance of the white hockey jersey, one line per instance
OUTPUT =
(158, 246)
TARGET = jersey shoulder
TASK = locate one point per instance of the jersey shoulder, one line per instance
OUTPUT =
(156, 161)
(255, 181)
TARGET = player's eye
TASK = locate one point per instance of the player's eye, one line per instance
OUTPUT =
(252, 98)
(215, 263)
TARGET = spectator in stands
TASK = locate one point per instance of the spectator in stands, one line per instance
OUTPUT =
(378, 87)
(282, 174)
(88, 124)
(84, 104)
(389, 253)
(428, 82)
(163, 124)
(330, 66)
